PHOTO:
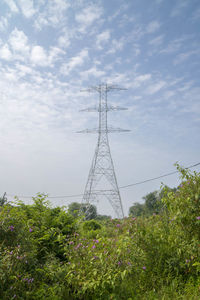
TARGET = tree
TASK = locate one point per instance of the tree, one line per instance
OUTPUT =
(152, 203)
(3, 200)
(89, 210)
(103, 217)
(74, 209)
(137, 210)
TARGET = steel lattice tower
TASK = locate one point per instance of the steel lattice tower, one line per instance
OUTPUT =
(102, 168)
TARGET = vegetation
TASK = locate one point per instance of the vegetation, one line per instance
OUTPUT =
(153, 204)
(47, 253)
(89, 210)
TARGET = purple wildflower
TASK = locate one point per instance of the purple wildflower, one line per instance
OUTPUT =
(144, 268)
(11, 228)
(30, 280)
(119, 263)
(78, 246)
(71, 242)
(198, 218)
(97, 241)
(93, 247)
(118, 225)
(187, 261)
(30, 229)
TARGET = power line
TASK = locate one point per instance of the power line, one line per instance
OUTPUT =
(121, 187)
(147, 180)
(28, 197)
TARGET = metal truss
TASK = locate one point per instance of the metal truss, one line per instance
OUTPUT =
(102, 168)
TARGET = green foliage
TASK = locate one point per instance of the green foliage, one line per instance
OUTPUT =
(102, 218)
(31, 238)
(91, 225)
(88, 210)
(45, 254)
(137, 210)
(152, 204)
(74, 209)
(3, 200)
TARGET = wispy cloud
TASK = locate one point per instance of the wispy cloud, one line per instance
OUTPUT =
(196, 15)
(64, 40)
(12, 5)
(53, 15)
(116, 45)
(18, 48)
(153, 26)
(155, 87)
(93, 73)
(122, 8)
(39, 56)
(27, 7)
(87, 16)
(74, 62)
(102, 39)
(19, 43)
(158, 1)
(3, 23)
(157, 41)
(180, 5)
(136, 33)
(142, 78)
(5, 52)
(183, 56)
(176, 44)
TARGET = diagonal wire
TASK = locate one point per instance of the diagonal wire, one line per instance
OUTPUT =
(121, 187)
(147, 180)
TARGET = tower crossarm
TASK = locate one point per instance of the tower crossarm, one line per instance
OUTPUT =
(115, 108)
(106, 87)
(107, 130)
(109, 108)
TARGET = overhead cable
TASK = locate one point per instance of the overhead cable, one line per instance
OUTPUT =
(121, 187)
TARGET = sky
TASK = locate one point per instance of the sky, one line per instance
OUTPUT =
(51, 50)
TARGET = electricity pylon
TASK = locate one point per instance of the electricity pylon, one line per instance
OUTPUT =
(102, 181)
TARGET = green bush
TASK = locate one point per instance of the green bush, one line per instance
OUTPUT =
(46, 253)
(91, 225)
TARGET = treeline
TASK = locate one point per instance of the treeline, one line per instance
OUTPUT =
(153, 203)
